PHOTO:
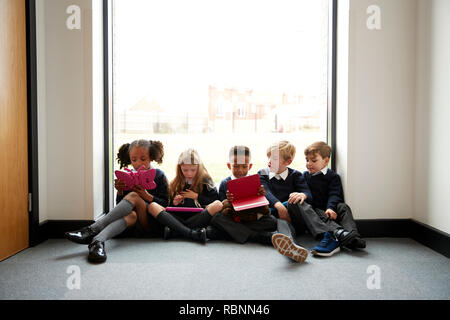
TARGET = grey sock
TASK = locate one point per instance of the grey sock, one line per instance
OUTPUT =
(122, 209)
(113, 229)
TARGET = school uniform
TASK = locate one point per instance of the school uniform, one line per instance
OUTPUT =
(161, 196)
(223, 187)
(202, 219)
(242, 231)
(326, 188)
(278, 188)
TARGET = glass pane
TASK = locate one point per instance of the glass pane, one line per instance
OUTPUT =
(210, 74)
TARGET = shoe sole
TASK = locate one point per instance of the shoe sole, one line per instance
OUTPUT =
(288, 248)
(325, 254)
(96, 259)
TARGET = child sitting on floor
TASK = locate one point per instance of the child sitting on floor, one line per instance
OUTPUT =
(257, 224)
(131, 205)
(192, 187)
(333, 219)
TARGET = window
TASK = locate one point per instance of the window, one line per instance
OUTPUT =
(210, 74)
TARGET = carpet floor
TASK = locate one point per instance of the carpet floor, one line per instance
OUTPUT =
(389, 268)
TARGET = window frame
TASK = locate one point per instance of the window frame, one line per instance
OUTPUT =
(108, 94)
(332, 76)
(108, 136)
(36, 232)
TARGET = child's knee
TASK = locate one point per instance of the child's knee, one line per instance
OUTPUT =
(131, 218)
(154, 209)
(342, 207)
(214, 207)
(298, 208)
(218, 204)
(132, 197)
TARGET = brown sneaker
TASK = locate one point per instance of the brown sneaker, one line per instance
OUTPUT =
(288, 248)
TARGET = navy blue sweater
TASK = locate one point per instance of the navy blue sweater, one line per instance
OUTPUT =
(160, 193)
(208, 195)
(279, 190)
(223, 188)
(326, 189)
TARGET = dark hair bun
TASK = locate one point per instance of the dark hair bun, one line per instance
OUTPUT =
(123, 156)
(156, 151)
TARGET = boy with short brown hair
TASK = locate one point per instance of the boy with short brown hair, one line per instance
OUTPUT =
(333, 216)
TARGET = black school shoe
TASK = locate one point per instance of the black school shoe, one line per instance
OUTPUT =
(198, 235)
(344, 237)
(82, 236)
(97, 253)
(357, 243)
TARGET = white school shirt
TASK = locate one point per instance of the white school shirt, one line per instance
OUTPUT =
(324, 171)
(279, 176)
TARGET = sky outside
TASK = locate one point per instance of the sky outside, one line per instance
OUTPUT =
(172, 50)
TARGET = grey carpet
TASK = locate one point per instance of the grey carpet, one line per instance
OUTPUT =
(177, 269)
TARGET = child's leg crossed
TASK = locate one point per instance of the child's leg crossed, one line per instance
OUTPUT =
(116, 227)
(166, 219)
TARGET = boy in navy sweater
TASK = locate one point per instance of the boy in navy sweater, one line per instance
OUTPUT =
(240, 164)
(264, 228)
(288, 194)
(285, 187)
(333, 216)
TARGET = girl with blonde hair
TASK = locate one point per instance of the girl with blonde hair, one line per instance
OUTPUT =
(192, 187)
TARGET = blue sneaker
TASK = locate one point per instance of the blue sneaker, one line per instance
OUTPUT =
(327, 247)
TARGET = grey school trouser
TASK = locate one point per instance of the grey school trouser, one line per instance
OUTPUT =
(241, 232)
(304, 217)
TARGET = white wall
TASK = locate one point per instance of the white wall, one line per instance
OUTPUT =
(70, 98)
(375, 124)
(432, 135)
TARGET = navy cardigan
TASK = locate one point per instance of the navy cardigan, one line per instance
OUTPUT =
(208, 195)
(326, 189)
(223, 188)
(279, 190)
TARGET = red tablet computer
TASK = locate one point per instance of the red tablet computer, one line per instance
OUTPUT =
(245, 193)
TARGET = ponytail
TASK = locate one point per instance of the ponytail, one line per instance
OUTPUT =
(156, 151)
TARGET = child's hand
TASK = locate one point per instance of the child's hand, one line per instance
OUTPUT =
(229, 196)
(119, 185)
(189, 194)
(295, 197)
(331, 214)
(143, 193)
(177, 200)
(282, 211)
(261, 191)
